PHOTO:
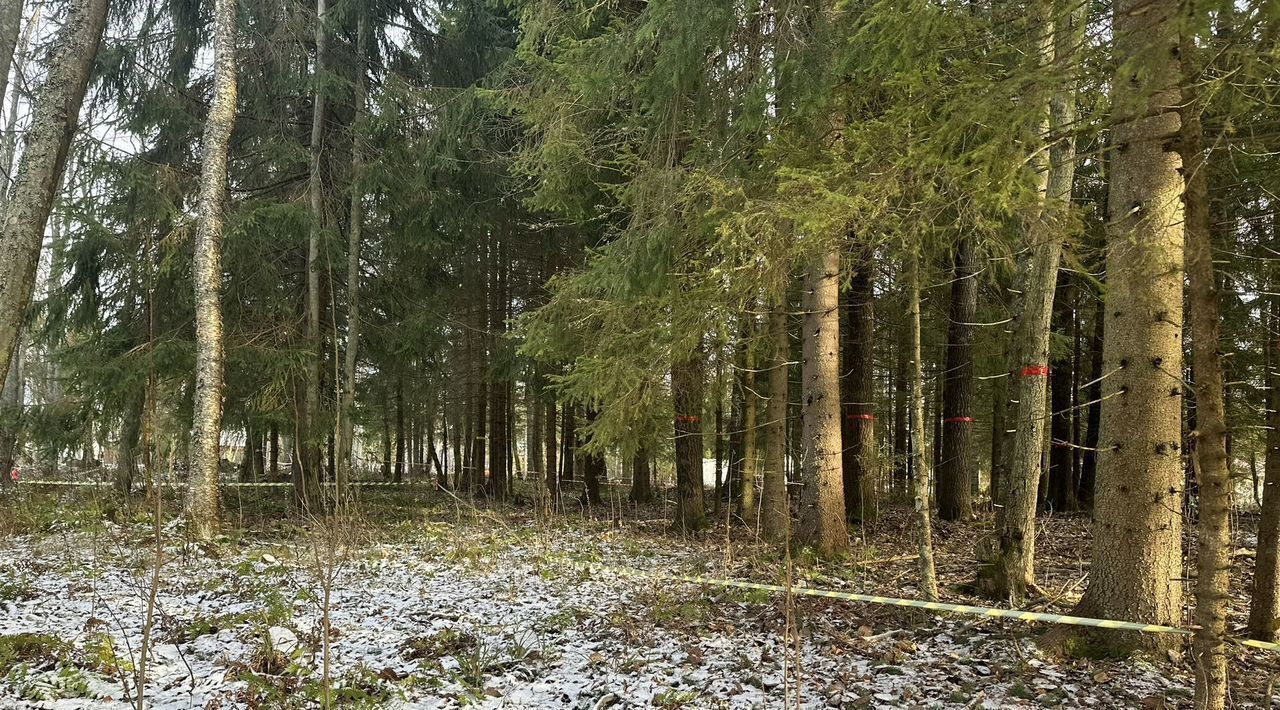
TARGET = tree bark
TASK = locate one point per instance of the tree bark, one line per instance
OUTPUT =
(822, 516)
(202, 491)
(355, 237)
(54, 116)
(901, 396)
(687, 395)
(1092, 395)
(307, 481)
(1011, 575)
(1137, 540)
(593, 470)
(920, 481)
(1062, 484)
(641, 482)
(775, 516)
(859, 455)
(10, 23)
(749, 467)
(1264, 607)
(1213, 558)
(553, 472)
(956, 473)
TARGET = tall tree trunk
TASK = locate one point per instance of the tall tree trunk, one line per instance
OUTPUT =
(1137, 540)
(11, 404)
(901, 396)
(593, 469)
(130, 433)
(1062, 484)
(552, 475)
(687, 394)
(54, 116)
(247, 455)
(719, 430)
(398, 475)
(307, 482)
(920, 481)
(641, 485)
(749, 467)
(355, 236)
(568, 439)
(1213, 558)
(274, 441)
(999, 430)
(1011, 575)
(775, 515)
(1092, 395)
(859, 455)
(10, 23)
(1264, 607)
(822, 516)
(533, 428)
(956, 473)
(202, 491)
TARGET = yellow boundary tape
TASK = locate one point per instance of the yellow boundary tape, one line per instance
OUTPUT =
(1025, 616)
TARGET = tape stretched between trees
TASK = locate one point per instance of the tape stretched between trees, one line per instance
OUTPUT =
(1025, 616)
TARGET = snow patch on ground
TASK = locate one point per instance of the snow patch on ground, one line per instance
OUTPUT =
(470, 617)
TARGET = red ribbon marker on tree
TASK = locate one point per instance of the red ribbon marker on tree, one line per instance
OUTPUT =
(956, 420)
(868, 417)
(1035, 371)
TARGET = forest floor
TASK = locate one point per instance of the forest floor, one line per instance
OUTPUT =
(435, 604)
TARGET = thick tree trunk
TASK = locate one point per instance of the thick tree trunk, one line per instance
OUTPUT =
(1264, 608)
(1137, 540)
(1213, 534)
(859, 456)
(956, 473)
(775, 516)
(822, 517)
(920, 481)
(687, 395)
(202, 491)
(54, 115)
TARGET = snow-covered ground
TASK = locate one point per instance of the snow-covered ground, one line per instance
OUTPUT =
(494, 615)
